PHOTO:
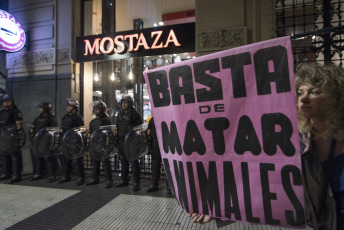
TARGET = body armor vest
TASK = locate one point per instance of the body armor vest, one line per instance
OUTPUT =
(40, 123)
(4, 117)
(96, 123)
(68, 122)
(124, 124)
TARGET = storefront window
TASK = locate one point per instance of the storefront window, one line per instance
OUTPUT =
(111, 79)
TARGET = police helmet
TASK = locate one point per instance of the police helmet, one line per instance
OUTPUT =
(7, 97)
(73, 103)
(100, 105)
(127, 98)
(46, 106)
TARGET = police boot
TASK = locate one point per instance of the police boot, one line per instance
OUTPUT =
(51, 160)
(67, 170)
(108, 173)
(124, 173)
(6, 172)
(153, 188)
(39, 169)
(155, 176)
(4, 177)
(95, 174)
(80, 171)
(122, 183)
(16, 165)
(136, 176)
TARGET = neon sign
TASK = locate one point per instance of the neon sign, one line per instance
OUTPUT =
(137, 43)
(12, 34)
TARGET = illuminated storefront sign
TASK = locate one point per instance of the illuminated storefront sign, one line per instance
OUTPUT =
(137, 43)
(12, 34)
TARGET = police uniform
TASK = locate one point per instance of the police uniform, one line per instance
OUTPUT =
(125, 121)
(71, 121)
(39, 123)
(101, 120)
(9, 117)
(156, 159)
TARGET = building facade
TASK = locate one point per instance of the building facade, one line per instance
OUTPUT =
(48, 68)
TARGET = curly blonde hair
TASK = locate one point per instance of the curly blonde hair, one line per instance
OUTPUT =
(330, 79)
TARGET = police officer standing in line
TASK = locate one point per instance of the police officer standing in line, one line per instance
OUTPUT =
(101, 119)
(11, 115)
(71, 120)
(45, 119)
(126, 120)
(156, 158)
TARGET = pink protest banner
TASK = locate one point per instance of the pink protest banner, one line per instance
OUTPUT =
(227, 131)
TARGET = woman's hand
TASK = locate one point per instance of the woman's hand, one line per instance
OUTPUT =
(200, 218)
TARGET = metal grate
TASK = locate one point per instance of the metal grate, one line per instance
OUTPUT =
(316, 28)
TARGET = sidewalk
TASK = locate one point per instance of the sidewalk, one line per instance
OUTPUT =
(40, 205)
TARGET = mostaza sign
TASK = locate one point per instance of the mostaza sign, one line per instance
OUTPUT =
(137, 43)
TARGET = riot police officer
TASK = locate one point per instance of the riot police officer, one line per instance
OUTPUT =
(11, 115)
(45, 119)
(156, 158)
(101, 119)
(71, 120)
(126, 120)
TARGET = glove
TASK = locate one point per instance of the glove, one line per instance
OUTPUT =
(32, 134)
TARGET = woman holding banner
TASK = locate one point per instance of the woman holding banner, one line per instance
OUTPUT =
(320, 101)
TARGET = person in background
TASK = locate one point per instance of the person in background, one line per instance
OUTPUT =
(101, 119)
(320, 103)
(71, 120)
(45, 119)
(126, 120)
(11, 115)
(148, 119)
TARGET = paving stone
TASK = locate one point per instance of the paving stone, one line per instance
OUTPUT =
(20, 202)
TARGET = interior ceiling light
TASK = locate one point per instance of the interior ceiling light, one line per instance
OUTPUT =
(131, 75)
(96, 77)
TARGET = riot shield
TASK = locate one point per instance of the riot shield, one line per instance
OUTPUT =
(103, 143)
(47, 142)
(74, 142)
(8, 140)
(136, 143)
